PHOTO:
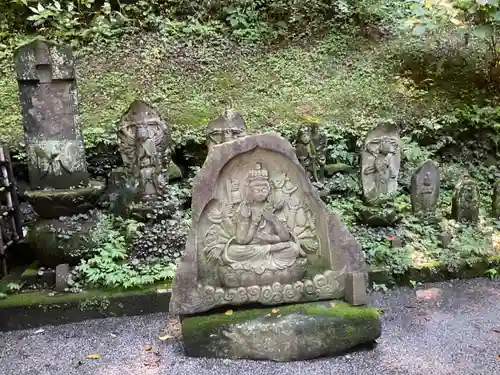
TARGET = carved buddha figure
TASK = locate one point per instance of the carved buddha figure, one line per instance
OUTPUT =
(265, 237)
(427, 187)
(383, 150)
(261, 240)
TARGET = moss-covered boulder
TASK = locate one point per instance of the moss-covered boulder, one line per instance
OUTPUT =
(63, 240)
(287, 333)
(174, 172)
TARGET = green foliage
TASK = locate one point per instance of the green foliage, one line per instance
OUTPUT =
(13, 287)
(492, 273)
(109, 265)
(479, 18)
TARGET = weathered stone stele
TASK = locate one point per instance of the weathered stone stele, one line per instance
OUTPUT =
(260, 233)
(425, 185)
(495, 206)
(144, 139)
(311, 151)
(465, 201)
(228, 126)
(49, 107)
(380, 162)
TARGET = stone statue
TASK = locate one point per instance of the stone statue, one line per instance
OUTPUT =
(380, 162)
(310, 150)
(256, 245)
(261, 234)
(49, 106)
(144, 138)
(228, 126)
(425, 184)
(496, 200)
(465, 201)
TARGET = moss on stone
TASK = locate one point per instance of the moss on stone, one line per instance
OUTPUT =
(332, 309)
(174, 172)
(282, 333)
(44, 298)
(65, 193)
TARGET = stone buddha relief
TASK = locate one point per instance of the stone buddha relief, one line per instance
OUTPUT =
(380, 162)
(263, 237)
(143, 144)
(260, 232)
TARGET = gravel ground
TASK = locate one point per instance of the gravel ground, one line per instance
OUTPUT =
(440, 328)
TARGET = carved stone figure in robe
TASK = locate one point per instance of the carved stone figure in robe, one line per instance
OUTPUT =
(383, 168)
(144, 140)
(310, 152)
(265, 238)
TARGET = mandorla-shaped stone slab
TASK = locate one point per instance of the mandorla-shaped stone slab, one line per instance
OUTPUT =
(290, 333)
(425, 185)
(143, 142)
(380, 162)
(261, 234)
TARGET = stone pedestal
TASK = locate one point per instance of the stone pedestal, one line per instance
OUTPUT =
(285, 333)
(64, 240)
(51, 204)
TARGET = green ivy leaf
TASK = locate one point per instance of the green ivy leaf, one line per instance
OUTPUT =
(483, 31)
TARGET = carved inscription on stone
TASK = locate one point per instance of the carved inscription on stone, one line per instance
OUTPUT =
(260, 233)
(311, 149)
(380, 162)
(49, 107)
(228, 126)
(144, 138)
(425, 184)
(56, 157)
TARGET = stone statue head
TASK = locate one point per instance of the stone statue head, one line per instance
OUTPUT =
(387, 145)
(259, 187)
(304, 135)
(229, 126)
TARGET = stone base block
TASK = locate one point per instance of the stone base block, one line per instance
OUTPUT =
(64, 240)
(51, 204)
(285, 333)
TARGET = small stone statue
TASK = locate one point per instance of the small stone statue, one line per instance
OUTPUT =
(310, 149)
(143, 143)
(228, 126)
(380, 162)
(465, 201)
(496, 200)
(425, 184)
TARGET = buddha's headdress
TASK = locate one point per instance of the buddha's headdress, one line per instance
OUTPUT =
(258, 174)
